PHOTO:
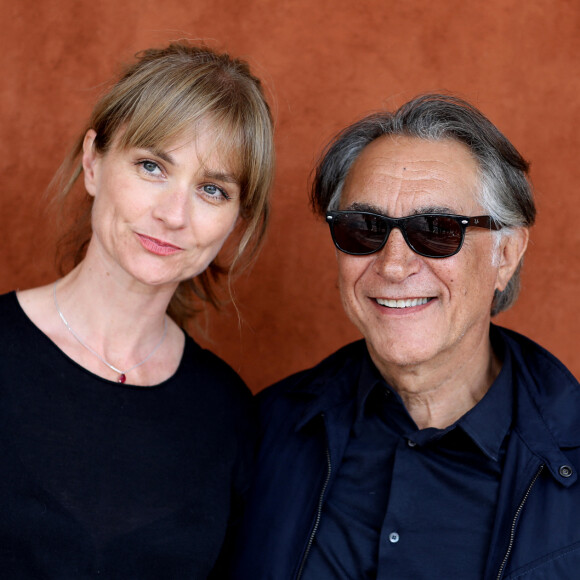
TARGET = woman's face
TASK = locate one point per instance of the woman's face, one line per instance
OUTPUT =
(160, 216)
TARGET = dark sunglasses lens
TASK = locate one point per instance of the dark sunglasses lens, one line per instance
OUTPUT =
(358, 233)
(435, 236)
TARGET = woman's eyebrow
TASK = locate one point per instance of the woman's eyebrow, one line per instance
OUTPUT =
(209, 173)
(221, 176)
(163, 155)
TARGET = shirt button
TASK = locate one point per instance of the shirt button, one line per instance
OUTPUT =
(411, 443)
(393, 537)
(565, 471)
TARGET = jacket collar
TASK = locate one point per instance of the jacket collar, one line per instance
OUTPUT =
(547, 404)
(547, 396)
(330, 384)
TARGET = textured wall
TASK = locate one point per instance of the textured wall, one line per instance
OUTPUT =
(326, 63)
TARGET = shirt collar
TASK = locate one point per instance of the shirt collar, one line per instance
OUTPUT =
(490, 420)
(369, 379)
(487, 424)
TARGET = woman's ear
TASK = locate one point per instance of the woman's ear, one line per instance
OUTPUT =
(90, 162)
(511, 251)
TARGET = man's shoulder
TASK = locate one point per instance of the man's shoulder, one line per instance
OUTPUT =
(533, 359)
(335, 376)
(542, 379)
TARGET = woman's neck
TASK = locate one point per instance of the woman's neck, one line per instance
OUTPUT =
(121, 320)
(115, 309)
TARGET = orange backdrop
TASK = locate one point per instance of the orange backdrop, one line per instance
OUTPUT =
(325, 63)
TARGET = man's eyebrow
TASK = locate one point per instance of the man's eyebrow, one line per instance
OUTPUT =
(365, 207)
(356, 206)
(433, 209)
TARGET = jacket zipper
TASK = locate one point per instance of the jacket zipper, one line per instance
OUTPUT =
(515, 520)
(318, 515)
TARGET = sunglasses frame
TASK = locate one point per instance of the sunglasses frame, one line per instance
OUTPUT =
(480, 221)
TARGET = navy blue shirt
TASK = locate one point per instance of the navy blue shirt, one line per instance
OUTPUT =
(409, 503)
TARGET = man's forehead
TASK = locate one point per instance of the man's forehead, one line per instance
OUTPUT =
(415, 155)
(426, 174)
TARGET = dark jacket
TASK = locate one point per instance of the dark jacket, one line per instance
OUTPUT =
(306, 420)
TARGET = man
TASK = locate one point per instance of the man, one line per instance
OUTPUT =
(441, 446)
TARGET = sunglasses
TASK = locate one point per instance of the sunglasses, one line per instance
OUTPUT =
(432, 235)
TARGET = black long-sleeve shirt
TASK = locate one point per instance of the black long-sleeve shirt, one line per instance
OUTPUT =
(102, 480)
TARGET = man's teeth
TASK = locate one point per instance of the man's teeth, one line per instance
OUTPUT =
(402, 303)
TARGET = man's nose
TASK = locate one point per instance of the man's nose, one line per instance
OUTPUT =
(396, 261)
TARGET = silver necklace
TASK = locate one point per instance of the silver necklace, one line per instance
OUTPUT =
(122, 374)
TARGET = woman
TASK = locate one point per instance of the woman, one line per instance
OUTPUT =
(125, 444)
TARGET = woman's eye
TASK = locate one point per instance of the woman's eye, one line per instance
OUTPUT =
(150, 167)
(214, 191)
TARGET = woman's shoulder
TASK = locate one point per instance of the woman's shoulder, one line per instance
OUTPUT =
(8, 300)
(201, 364)
(11, 313)
(215, 391)
(19, 336)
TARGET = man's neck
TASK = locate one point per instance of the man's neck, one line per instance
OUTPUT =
(438, 393)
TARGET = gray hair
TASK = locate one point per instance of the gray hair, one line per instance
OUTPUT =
(505, 192)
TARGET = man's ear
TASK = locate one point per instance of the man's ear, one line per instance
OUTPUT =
(90, 162)
(512, 248)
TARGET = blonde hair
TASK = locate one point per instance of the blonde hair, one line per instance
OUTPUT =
(164, 94)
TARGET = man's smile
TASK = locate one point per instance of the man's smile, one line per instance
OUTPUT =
(406, 303)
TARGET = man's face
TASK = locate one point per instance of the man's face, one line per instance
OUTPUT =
(445, 312)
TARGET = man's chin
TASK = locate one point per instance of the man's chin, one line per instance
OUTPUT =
(401, 351)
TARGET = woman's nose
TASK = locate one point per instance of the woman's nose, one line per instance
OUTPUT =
(172, 207)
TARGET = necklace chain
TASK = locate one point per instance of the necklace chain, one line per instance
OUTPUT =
(122, 374)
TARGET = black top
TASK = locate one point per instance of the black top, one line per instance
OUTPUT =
(115, 481)
(396, 484)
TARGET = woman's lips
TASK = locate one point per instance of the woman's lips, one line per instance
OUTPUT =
(158, 247)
